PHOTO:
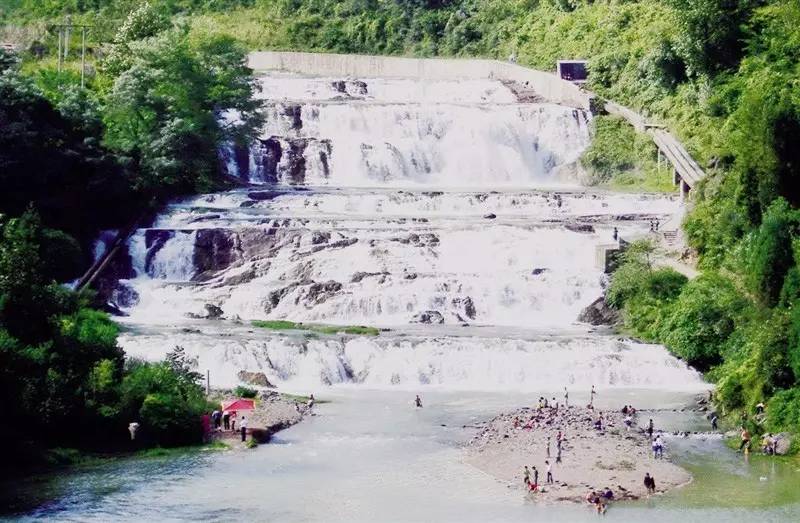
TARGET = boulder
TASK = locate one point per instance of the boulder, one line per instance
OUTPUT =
(213, 312)
(580, 227)
(124, 296)
(428, 317)
(360, 275)
(318, 237)
(264, 195)
(358, 86)
(468, 305)
(783, 443)
(254, 378)
(240, 278)
(539, 270)
(599, 313)
(214, 250)
(295, 115)
(321, 291)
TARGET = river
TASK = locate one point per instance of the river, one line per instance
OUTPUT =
(450, 216)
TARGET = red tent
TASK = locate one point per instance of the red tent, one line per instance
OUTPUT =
(238, 404)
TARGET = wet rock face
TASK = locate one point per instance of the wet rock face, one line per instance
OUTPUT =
(428, 317)
(254, 378)
(261, 196)
(580, 227)
(358, 87)
(124, 296)
(210, 312)
(280, 159)
(267, 157)
(599, 313)
(319, 292)
(213, 312)
(295, 115)
(319, 237)
(214, 250)
(154, 240)
(275, 297)
(358, 276)
(467, 305)
(296, 164)
(350, 87)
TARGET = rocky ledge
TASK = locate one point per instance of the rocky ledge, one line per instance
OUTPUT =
(612, 458)
(274, 412)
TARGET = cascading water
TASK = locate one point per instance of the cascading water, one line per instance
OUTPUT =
(408, 205)
(368, 133)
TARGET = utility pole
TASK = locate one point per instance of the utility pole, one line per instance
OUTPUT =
(64, 31)
(60, 37)
(83, 56)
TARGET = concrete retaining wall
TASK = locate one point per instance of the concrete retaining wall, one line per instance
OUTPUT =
(548, 85)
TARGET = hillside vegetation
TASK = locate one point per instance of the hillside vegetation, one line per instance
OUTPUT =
(722, 74)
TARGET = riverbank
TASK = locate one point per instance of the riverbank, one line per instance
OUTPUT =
(612, 458)
(273, 412)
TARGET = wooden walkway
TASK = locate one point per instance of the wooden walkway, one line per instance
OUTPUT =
(686, 172)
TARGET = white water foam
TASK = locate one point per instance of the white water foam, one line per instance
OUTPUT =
(452, 363)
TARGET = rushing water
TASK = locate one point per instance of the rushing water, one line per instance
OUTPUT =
(446, 213)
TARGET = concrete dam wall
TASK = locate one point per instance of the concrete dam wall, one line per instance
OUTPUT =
(547, 85)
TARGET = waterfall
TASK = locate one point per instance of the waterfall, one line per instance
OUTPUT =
(163, 254)
(460, 363)
(435, 209)
(394, 133)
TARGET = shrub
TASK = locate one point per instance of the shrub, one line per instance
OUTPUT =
(701, 320)
(771, 254)
(245, 392)
(783, 411)
(612, 149)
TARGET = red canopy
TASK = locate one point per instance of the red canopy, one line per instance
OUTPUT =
(238, 404)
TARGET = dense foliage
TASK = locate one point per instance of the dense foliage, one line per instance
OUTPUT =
(76, 160)
(63, 379)
(621, 158)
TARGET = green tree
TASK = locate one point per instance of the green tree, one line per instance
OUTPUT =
(165, 110)
(712, 35)
(702, 319)
(771, 253)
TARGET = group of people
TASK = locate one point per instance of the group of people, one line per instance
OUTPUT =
(658, 447)
(224, 421)
(600, 500)
(769, 444)
(530, 476)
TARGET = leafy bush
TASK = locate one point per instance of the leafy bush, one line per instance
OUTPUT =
(701, 320)
(783, 411)
(621, 157)
(167, 398)
(245, 392)
(771, 253)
